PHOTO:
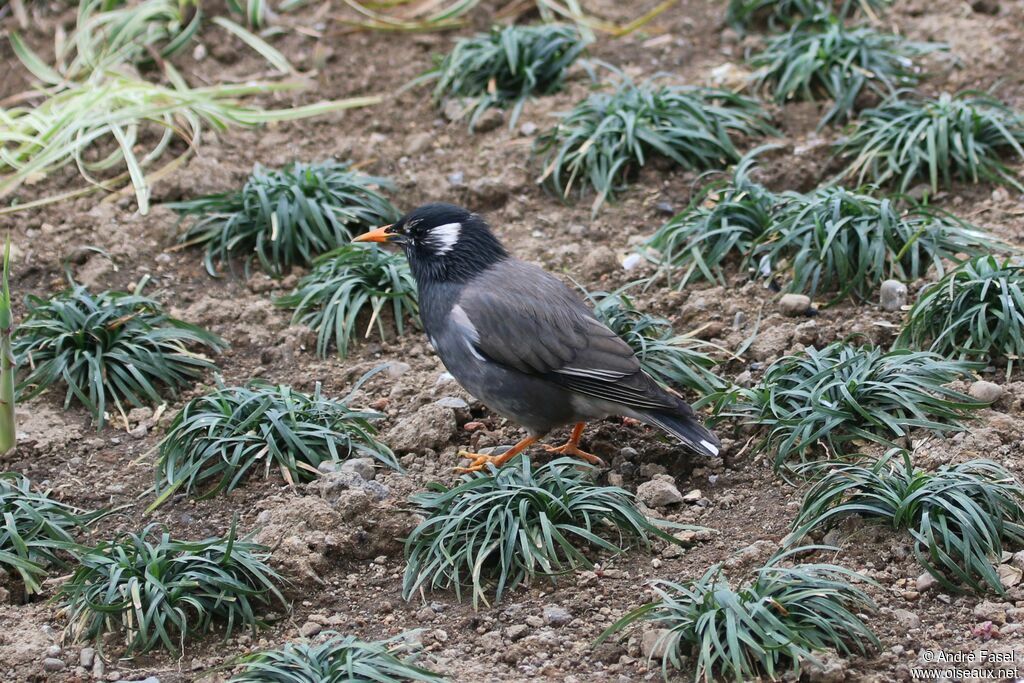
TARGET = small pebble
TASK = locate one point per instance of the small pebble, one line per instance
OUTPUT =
(310, 629)
(53, 664)
(517, 631)
(658, 493)
(654, 643)
(989, 392)
(892, 295)
(796, 305)
(556, 616)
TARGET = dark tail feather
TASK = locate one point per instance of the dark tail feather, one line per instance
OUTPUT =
(687, 429)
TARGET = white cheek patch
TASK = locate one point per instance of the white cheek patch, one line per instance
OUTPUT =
(444, 237)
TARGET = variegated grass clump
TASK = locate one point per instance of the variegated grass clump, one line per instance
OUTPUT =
(974, 312)
(507, 66)
(220, 438)
(961, 516)
(496, 530)
(337, 659)
(348, 284)
(822, 401)
(288, 216)
(108, 350)
(607, 137)
(37, 531)
(773, 623)
(911, 138)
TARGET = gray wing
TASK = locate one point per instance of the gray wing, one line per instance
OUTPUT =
(520, 316)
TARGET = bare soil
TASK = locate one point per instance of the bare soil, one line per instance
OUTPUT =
(346, 564)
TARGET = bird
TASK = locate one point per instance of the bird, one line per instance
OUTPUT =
(522, 342)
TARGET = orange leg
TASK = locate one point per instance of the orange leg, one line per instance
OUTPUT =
(572, 447)
(480, 461)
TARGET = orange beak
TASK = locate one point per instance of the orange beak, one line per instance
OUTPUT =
(380, 234)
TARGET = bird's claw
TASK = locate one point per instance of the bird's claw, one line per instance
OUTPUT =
(479, 461)
(574, 450)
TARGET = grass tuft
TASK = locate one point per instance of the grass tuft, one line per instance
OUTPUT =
(347, 283)
(975, 311)
(337, 659)
(910, 138)
(219, 438)
(843, 393)
(608, 136)
(442, 15)
(741, 14)
(108, 349)
(507, 66)
(778, 620)
(824, 59)
(287, 217)
(105, 36)
(722, 223)
(498, 529)
(673, 359)
(35, 529)
(961, 516)
(834, 240)
(162, 592)
(114, 127)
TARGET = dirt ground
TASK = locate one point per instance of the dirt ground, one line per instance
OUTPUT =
(346, 559)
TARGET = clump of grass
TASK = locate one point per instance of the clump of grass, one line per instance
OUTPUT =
(287, 217)
(823, 59)
(777, 621)
(911, 138)
(106, 35)
(111, 35)
(108, 349)
(219, 438)
(961, 516)
(35, 529)
(260, 13)
(975, 311)
(346, 283)
(844, 393)
(114, 127)
(834, 240)
(508, 65)
(162, 592)
(722, 223)
(338, 658)
(496, 530)
(673, 359)
(451, 14)
(740, 14)
(609, 135)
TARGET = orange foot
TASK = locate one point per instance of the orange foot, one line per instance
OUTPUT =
(572, 447)
(480, 461)
(569, 448)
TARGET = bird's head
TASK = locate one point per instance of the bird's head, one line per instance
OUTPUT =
(443, 242)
